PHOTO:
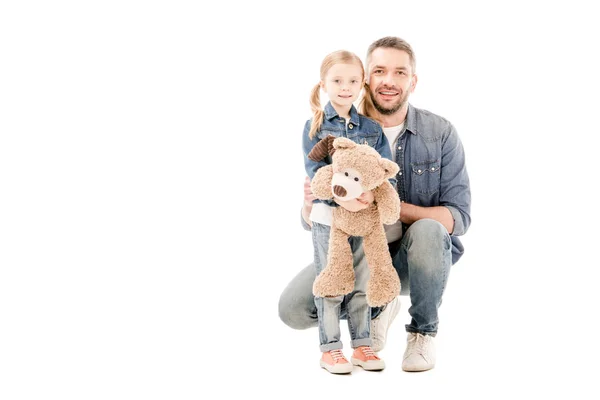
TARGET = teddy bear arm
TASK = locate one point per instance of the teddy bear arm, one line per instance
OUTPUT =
(321, 183)
(388, 203)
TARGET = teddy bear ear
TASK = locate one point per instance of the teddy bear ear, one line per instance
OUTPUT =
(322, 149)
(343, 143)
(390, 167)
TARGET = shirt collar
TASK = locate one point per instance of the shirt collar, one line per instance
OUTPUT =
(411, 120)
(330, 113)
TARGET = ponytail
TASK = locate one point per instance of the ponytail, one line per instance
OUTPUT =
(315, 107)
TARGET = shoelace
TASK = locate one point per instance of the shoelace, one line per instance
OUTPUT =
(336, 354)
(419, 343)
(367, 351)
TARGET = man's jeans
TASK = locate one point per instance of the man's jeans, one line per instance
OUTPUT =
(354, 303)
(422, 259)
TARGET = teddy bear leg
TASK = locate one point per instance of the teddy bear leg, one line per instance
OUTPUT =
(337, 278)
(383, 285)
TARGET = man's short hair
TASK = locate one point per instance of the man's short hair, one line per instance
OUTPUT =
(393, 42)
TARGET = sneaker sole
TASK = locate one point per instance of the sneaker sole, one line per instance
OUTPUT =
(338, 368)
(417, 369)
(369, 365)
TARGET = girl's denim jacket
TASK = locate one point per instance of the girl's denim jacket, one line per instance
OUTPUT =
(360, 129)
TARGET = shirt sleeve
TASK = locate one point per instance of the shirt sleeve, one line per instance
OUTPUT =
(455, 192)
(311, 166)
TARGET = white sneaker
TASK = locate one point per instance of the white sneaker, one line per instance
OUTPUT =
(381, 324)
(419, 354)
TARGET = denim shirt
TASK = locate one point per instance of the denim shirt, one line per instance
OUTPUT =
(360, 129)
(433, 171)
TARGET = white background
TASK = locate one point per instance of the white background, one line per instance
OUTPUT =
(151, 180)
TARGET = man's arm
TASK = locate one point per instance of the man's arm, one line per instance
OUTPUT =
(410, 213)
(454, 211)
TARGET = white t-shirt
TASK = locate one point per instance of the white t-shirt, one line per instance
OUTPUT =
(321, 213)
(393, 232)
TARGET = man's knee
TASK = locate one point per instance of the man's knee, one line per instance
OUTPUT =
(428, 231)
(292, 313)
(429, 245)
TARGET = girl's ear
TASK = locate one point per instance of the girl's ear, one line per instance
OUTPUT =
(322, 84)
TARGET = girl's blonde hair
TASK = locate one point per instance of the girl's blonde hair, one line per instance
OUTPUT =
(337, 57)
(366, 106)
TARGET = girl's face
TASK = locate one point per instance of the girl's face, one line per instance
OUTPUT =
(343, 83)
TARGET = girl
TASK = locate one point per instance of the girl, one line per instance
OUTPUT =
(342, 78)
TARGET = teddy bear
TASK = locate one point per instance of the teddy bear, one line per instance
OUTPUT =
(357, 168)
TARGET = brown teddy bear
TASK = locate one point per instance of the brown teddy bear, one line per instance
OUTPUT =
(357, 168)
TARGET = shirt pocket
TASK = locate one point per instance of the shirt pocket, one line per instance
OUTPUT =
(371, 140)
(426, 176)
(323, 133)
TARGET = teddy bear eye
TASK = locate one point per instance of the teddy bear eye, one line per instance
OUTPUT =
(346, 173)
(356, 179)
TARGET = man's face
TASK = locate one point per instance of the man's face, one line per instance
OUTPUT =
(391, 79)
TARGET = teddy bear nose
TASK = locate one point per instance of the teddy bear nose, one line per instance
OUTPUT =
(339, 191)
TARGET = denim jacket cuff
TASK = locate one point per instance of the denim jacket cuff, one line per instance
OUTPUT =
(459, 227)
(304, 224)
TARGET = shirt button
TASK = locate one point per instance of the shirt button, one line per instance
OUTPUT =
(399, 173)
(350, 126)
(419, 171)
(432, 168)
(399, 147)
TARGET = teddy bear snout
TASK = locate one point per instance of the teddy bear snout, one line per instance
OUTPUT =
(339, 191)
(345, 184)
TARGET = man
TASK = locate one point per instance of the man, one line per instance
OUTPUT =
(433, 186)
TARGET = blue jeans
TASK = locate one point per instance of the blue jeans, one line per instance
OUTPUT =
(357, 311)
(422, 259)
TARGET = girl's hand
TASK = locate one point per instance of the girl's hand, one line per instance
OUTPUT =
(360, 203)
(308, 194)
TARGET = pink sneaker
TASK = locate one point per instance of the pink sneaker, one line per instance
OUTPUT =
(366, 358)
(335, 362)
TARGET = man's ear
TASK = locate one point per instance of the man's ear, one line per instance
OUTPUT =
(390, 167)
(413, 84)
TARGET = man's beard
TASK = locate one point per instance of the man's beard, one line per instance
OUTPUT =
(394, 109)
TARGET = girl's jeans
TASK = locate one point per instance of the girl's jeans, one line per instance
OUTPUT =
(328, 309)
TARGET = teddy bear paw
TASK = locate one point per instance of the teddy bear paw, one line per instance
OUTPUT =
(330, 283)
(383, 290)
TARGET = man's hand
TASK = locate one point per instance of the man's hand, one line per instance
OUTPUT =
(409, 213)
